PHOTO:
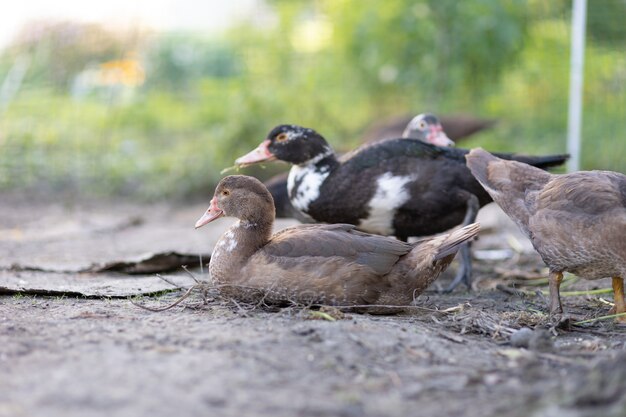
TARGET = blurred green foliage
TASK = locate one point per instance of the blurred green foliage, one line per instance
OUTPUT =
(178, 61)
(334, 65)
(432, 49)
(58, 51)
(605, 22)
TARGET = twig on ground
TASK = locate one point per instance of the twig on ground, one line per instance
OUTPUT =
(177, 287)
(242, 311)
(512, 291)
(174, 304)
(519, 292)
(607, 317)
(321, 315)
(520, 274)
(197, 281)
(586, 292)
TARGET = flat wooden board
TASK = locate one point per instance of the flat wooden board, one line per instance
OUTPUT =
(88, 284)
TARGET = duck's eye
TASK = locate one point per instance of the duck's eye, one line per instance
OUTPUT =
(422, 125)
(282, 137)
(225, 192)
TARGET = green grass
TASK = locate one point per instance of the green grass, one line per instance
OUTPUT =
(173, 144)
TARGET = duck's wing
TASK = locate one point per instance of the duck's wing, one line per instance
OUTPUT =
(337, 243)
(333, 264)
(580, 223)
(590, 193)
(375, 154)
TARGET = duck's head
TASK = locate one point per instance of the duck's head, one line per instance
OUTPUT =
(240, 196)
(427, 128)
(289, 143)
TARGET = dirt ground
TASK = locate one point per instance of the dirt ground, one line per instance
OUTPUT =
(460, 354)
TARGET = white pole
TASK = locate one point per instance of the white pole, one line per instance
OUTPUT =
(574, 122)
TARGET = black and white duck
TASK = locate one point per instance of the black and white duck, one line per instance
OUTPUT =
(425, 127)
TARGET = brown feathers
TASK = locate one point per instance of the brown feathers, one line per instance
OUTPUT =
(329, 264)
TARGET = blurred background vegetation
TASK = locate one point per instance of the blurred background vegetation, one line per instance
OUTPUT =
(158, 114)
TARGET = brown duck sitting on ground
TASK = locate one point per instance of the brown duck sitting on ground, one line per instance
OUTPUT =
(327, 264)
(577, 221)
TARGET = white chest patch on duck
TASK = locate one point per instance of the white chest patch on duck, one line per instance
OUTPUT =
(228, 242)
(389, 196)
(304, 183)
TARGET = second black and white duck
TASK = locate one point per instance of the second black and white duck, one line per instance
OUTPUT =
(399, 187)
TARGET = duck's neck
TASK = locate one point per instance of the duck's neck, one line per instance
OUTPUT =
(236, 246)
(325, 161)
(305, 180)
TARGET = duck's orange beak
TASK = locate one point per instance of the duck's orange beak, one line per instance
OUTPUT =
(260, 154)
(212, 213)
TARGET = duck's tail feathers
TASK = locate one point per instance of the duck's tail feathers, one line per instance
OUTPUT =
(430, 256)
(451, 242)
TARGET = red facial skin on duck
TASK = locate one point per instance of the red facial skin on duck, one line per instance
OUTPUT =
(260, 154)
(438, 137)
(212, 213)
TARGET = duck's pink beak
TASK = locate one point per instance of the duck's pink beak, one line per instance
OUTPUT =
(213, 212)
(438, 137)
(260, 154)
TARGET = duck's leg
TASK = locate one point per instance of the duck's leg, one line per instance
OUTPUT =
(618, 296)
(555, 279)
(472, 210)
(464, 274)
